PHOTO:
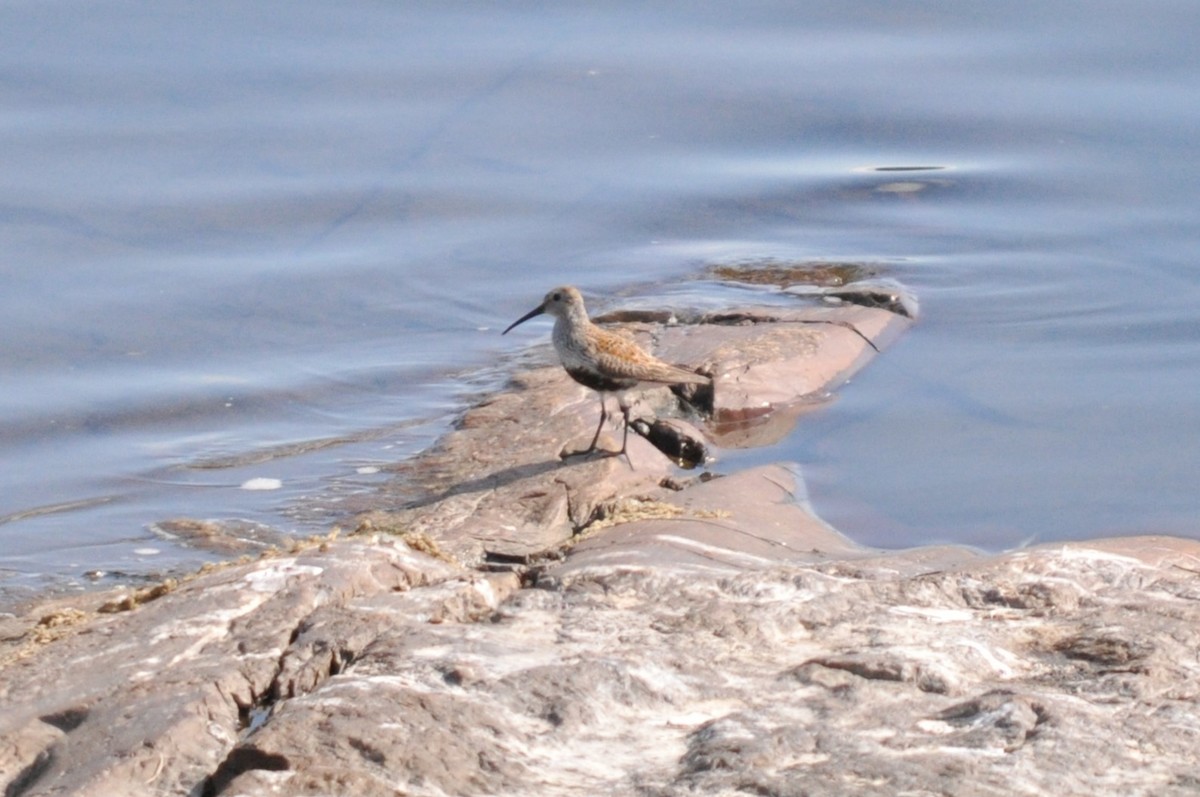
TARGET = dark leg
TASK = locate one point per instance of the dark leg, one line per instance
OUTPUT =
(625, 438)
(603, 418)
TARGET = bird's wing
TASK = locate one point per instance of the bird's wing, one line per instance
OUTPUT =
(622, 358)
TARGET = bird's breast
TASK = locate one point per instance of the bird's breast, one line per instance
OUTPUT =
(589, 377)
(578, 355)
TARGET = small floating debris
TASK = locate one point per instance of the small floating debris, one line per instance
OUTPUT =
(147, 551)
(367, 470)
(905, 168)
(262, 483)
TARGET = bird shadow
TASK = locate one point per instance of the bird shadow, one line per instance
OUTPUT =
(502, 478)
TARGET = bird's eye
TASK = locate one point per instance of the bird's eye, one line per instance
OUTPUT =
(557, 297)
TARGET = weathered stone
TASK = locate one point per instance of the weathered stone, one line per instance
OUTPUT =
(661, 677)
(149, 701)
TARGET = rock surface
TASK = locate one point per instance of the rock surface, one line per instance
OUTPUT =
(498, 484)
(666, 635)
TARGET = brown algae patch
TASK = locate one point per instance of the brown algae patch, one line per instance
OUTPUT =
(384, 523)
(132, 600)
(786, 273)
(57, 624)
(65, 621)
(628, 510)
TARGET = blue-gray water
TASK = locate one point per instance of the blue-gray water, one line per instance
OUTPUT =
(227, 228)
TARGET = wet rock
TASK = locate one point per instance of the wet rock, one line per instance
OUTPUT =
(883, 294)
(768, 365)
(679, 441)
(225, 537)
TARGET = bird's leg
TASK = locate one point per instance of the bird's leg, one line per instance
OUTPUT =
(621, 402)
(599, 426)
(625, 438)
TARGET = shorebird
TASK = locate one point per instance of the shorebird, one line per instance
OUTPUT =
(601, 360)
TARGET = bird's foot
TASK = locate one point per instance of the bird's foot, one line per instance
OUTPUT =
(583, 452)
(594, 447)
(597, 452)
(622, 453)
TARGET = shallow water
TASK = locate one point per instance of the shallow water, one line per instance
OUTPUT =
(228, 231)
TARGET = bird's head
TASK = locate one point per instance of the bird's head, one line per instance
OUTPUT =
(560, 303)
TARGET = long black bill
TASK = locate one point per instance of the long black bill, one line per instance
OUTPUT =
(535, 311)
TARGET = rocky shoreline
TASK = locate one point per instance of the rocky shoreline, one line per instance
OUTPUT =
(509, 621)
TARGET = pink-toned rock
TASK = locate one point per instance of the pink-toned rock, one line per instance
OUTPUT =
(499, 484)
(705, 667)
(774, 360)
(746, 521)
(150, 701)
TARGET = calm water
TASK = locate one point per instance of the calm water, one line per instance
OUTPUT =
(230, 230)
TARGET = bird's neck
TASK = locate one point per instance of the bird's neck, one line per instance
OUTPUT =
(572, 328)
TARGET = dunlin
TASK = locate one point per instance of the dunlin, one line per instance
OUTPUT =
(601, 360)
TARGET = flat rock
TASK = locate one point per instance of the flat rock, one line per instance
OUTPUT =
(747, 521)
(764, 361)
